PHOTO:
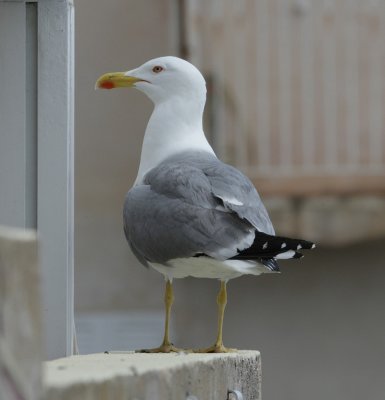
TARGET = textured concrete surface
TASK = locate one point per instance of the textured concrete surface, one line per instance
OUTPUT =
(20, 316)
(154, 376)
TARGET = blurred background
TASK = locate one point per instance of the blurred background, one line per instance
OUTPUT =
(296, 99)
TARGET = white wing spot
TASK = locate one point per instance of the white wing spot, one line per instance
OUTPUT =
(299, 247)
(283, 245)
(231, 200)
(264, 246)
(234, 201)
(285, 255)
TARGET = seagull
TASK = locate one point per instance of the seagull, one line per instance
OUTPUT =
(188, 213)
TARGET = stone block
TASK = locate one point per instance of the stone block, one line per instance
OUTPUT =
(20, 316)
(135, 376)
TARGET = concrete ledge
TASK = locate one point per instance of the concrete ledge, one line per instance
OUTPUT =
(20, 315)
(134, 376)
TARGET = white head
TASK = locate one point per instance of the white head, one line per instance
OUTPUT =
(178, 91)
(160, 79)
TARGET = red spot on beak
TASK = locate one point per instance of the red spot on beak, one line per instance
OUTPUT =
(107, 85)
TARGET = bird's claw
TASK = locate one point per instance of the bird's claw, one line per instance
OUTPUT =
(164, 348)
(216, 348)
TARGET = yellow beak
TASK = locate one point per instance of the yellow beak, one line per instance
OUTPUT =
(113, 80)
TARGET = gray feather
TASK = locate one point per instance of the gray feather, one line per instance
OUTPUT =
(180, 210)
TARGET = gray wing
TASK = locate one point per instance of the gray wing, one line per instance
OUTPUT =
(223, 182)
(239, 195)
(189, 205)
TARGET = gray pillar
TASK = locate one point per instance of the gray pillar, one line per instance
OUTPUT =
(36, 147)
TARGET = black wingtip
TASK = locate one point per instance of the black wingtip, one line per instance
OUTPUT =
(306, 244)
(297, 255)
(273, 247)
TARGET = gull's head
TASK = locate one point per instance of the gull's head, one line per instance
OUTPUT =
(160, 79)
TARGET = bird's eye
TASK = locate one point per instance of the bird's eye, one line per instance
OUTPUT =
(157, 69)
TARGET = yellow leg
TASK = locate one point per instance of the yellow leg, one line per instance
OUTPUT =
(218, 347)
(166, 346)
(168, 301)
